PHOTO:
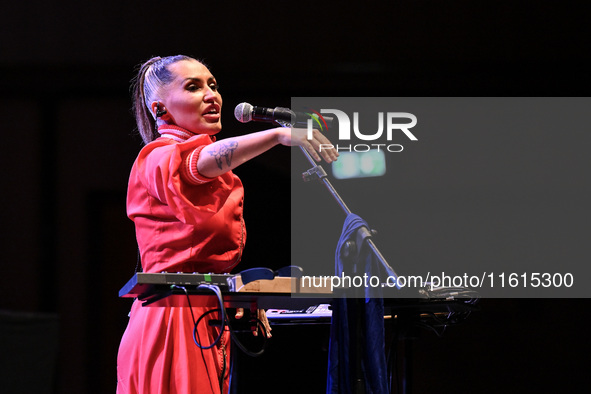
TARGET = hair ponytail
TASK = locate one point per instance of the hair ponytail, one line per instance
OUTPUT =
(152, 76)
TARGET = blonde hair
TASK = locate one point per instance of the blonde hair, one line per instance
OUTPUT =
(147, 86)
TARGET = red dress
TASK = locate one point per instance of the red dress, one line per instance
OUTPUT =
(184, 222)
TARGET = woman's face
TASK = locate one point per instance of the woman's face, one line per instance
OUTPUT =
(192, 100)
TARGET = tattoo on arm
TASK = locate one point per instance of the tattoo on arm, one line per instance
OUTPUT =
(224, 152)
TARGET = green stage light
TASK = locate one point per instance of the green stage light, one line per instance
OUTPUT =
(359, 164)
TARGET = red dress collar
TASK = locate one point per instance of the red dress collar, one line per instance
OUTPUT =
(177, 133)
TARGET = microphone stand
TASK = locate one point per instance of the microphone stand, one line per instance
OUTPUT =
(318, 173)
(363, 235)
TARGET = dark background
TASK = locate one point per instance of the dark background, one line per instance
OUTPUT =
(68, 144)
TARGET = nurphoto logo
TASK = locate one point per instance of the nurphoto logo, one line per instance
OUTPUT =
(395, 123)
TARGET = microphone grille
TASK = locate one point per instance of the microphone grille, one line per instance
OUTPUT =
(243, 112)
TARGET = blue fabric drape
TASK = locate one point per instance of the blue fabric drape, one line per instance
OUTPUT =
(354, 320)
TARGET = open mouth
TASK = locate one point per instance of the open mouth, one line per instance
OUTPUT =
(212, 110)
(212, 114)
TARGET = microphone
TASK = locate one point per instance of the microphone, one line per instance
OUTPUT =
(285, 117)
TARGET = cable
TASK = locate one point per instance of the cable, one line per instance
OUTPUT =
(223, 322)
(197, 340)
(222, 311)
(260, 324)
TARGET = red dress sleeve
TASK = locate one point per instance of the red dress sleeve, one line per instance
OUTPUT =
(182, 216)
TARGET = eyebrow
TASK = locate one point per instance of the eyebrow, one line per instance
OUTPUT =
(212, 78)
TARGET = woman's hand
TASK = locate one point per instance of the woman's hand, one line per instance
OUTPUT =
(318, 146)
(262, 316)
